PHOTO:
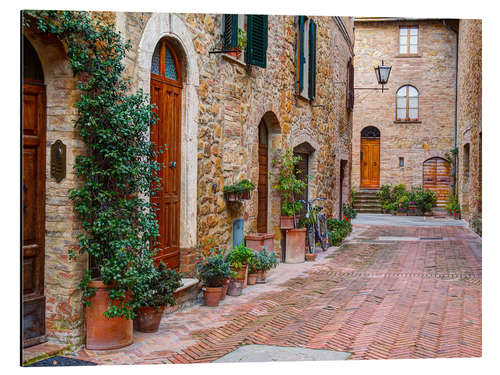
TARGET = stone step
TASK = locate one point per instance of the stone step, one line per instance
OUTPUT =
(369, 211)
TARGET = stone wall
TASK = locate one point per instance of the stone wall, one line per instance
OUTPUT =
(432, 72)
(232, 100)
(469, 124)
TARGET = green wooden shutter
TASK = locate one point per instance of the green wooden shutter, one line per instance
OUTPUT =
(300, 50)
(312, 60)
(256, 52)
(230, 37)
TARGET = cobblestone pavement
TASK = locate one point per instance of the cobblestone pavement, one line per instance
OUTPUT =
(388, 292)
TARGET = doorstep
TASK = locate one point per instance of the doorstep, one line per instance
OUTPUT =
(42, 351)
(185, 296)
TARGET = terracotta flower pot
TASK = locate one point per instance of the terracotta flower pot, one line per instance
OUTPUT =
(261, 277)
(286, 222)
(456, 215)
(103, 333)
(212, 296)
(148, 318)
(235, 288)
(241, 273)
(245, 282)
(245, 194)
(428, 213)
(224, 289)
(311, 257)
(401, 213)
(252, 278)
(256, 241)
(295, 245)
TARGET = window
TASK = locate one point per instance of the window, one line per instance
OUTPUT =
(408, 40)
(306, 57)
(407, 104)
(401, 162)
(350, 85)
(255, 27)
(466, 162)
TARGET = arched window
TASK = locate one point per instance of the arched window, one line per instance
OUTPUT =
(407, 104)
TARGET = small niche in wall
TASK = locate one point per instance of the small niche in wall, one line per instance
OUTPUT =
(401, 162)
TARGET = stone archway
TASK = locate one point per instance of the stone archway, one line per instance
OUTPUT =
(170, 27)
(61, 277)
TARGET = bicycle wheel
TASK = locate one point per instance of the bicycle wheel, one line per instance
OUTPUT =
(320, 237)
(325, 243)
(310, 238)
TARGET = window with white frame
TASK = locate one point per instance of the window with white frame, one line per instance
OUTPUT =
(407, 104)
(408, 40)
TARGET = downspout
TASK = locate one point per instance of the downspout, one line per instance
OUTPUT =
(456, 99)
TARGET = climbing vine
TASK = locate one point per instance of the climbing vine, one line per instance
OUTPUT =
(118, 168)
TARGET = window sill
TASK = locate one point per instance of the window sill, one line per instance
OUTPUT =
(233, 59)
(304, 98)
(408, 55)
(408, 122)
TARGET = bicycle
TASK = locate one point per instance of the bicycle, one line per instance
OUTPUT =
(316, 225)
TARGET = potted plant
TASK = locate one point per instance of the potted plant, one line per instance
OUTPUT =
(239, 191)
(265, 262)
(349, 212)
(253, 268)
(288, 185)
(112, 200)
(152, 292)
(239, 258)
(213, 272)
(231, 193)
(453, 207)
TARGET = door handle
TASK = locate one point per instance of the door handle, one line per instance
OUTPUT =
(172, 164)
(374, 163)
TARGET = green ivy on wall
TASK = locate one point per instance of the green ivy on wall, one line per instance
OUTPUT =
(118, 169)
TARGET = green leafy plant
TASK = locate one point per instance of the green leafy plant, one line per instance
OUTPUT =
(156, 285)
(265, 260)
(338, 230)
(349, 211)
(240, 256)
(291, 208)
(242, 39)
(453, 205)
(286, 181)
(214, 270)
(118, 169)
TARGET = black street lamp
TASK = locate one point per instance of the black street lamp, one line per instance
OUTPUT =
(382, 73)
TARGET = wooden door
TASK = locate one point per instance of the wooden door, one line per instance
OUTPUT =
(33, 213)
(262, 186)
(437, 178)
(370, 163)
(166, 89)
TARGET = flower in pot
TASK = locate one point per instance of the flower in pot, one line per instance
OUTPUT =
(244, 187)
(213, 272)
(239, 258)
(152, 292)
(349, 212)
(287, 183)
(253, 268)
(265, 261)
(453, 207)
(231, 193)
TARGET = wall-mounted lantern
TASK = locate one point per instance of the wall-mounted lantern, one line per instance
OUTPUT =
(382, 72)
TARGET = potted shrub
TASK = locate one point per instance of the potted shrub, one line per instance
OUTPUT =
(349, 212)
(239, 258)
(241, 44)
(265, 262)
(153, 291)
(402, 206)
(213, 272)
(231, 194)
(453, 207)
(288, 185)
(239, 191)
(253, 268)
(338, 230)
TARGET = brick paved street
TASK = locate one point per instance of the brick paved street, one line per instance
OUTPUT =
(386, 293)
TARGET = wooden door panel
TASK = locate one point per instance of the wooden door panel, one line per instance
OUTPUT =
(436, 177)
(166, 135)
(370, 163)
(262, 185)
(303, 167)
(33, 213)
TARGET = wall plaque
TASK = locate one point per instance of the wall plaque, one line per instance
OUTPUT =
(58, 160)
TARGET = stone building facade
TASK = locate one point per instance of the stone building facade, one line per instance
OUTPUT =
(411, 137)
(223, 101)
(469, 122)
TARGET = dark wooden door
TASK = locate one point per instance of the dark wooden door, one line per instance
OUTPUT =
(343, 164)
(33, 213)
(262, 186)
(370, 163)
(166, 89)
(437, 178)
(302, 172)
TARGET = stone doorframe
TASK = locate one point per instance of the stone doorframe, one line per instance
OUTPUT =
(170, 26)
(302, 137)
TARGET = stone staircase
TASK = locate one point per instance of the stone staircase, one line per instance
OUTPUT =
(367, 202)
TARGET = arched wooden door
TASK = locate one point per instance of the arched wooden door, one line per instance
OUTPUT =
(370, 158)
(437, 178)
(33, 197)
(166, 89)
(262, 186)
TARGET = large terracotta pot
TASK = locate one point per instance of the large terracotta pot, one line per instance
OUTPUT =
(311, 257)
(245, 281)
(103, 333)
(224, 289)
(148, 318)
(240, 274)
(212, 296)
(257, 241)
(235, 288)
(295, 245)
(286, 222)
(252, 278)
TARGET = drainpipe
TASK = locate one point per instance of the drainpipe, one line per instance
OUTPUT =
(456, 92)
